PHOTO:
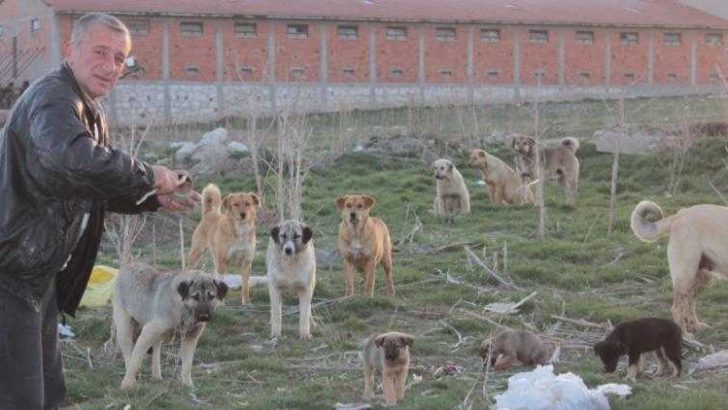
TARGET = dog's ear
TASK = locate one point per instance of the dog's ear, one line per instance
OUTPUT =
(379, 341)
(481, 153)
(226, 203)
(256, 200)
(407, 340)
(340, 202)
(222, 289)
(369, 201)
(307, 234)
(184, 289)
(274, 234)
(450, 166)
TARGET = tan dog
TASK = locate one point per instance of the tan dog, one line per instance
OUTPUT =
(388, 354)
(363, 242)
(504, 184)
(511, 345)
(452, 197)
(558, 162)
(162, 305)
(227, 230)
(291, 262)
(696, 253)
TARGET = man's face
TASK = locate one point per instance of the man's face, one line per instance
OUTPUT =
(97, 60)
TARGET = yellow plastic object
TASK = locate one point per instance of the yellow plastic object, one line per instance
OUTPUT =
(100, 286)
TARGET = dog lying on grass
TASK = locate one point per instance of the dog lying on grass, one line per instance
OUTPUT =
(452, 197)
(661, 336)
(511, 345)
(388, 354)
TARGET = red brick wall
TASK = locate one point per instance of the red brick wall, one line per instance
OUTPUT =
(710, 57)
(345, 53)
(673, 62)
(243, 53)
(584, 58)
(629, 58)
(399, 54)
(539, 56)
(493, 57)
(297, 53)
(187, 52)
(449, 56)
(147, 49)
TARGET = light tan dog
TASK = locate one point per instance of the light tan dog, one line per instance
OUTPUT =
(291, 262)
(511, 345)
(505, 186)
(363, 243)
(452, 196)
(227, 230)
(696, 253)
(388, 354)
(558, 162)
(162, 305)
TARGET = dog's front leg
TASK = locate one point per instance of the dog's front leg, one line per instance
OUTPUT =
(390, 393)
(368, 382)
(149, 336)
(187, 353)
(349, 277)
(124, 331)
(157, 360)
(245, 292)
(634, 366)
(304, 321)
(276, 310)
(369, 278)
(401, 383)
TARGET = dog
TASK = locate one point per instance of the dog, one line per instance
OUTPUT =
(661, 336)
(363, 242)
(291, 262)
(696, 252)
(161, 305)
(558, 162)
(388, 354)
(505, 186)
(452, 197)
(227, 230)
(510, 345)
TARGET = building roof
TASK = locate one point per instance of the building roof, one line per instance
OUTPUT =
(630, 13)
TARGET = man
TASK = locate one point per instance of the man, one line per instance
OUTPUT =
(58, 176)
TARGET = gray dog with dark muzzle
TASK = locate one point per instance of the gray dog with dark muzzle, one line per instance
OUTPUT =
(161, 305)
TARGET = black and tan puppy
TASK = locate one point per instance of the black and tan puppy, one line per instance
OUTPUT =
(511, 345)
(388, 354)
(661, 336)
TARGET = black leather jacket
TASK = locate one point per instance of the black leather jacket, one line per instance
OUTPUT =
(56, 165)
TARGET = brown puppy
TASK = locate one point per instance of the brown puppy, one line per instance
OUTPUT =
(696, 252)
(556, 162)
(388, 354)
(510, 345)
(227, 230)
(363, 242)
(639, 336)
(505, 186)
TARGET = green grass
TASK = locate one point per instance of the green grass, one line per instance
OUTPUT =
(578, 270)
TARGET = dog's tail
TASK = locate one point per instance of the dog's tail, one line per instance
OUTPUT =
(571, 143)
(653, 229)
(211, 198)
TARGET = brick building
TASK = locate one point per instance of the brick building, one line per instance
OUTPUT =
(203, 60)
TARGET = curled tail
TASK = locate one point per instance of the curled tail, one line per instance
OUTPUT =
(571, 143)
(647, 230)
(211, 198)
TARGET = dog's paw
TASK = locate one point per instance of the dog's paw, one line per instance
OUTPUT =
(128, 384)
(305, 336)
(701, 326)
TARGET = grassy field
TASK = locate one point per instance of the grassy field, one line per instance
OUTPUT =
(578, 272)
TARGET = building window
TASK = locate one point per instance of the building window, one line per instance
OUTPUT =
(629, 37)
(347, 32)
(538, 36)
(34, 26)
(397, 72)
(297, 31)
(672, 77)
(396, 33)
(714, 39)
(298, 74)
(672, 39)
(489, 35)
(715, 78)
(492, 75)
(445, 34)
(192, 71)
(585, 76)
(348, 72)
(138, 28)
(446, 74)
(584, 37)
(539, 74)
(630, 77)
(191, 28)
(246, 30)
(246, 73)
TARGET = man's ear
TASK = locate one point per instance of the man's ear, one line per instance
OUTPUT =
(340, 202)
(222, 289)
(274, 234)
(184, 289)
(307, 234)
(369, 201)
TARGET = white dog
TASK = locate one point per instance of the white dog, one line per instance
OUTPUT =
(291, 262)
(452, 196)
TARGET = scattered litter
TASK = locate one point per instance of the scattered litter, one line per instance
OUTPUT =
(480, 182)
(235, 281)
(540, 389)
(447, 370)
(352, 406)
(65, 331)
(711, 361)
(100, 286)
(508, 307)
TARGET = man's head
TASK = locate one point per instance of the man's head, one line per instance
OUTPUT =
(96, 53)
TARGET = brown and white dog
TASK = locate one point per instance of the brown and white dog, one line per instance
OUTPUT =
(227, 230)
(388, 354)
(558, 162)
(452, 197)
(511, 345)
(505, 186)
(697, 251)
(363, 242)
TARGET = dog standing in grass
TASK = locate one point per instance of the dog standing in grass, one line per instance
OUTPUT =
(291, 262)
(227, 230)
(505, 186)
(363, 242)
(388, 354)
(661, 336)
(452, 197)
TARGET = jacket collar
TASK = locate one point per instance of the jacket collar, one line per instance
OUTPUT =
(91, 104)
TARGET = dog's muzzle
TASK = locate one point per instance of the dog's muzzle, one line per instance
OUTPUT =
(205, 316)
(440, 176)
(289, 249)
(353, 218)
(242, 215)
